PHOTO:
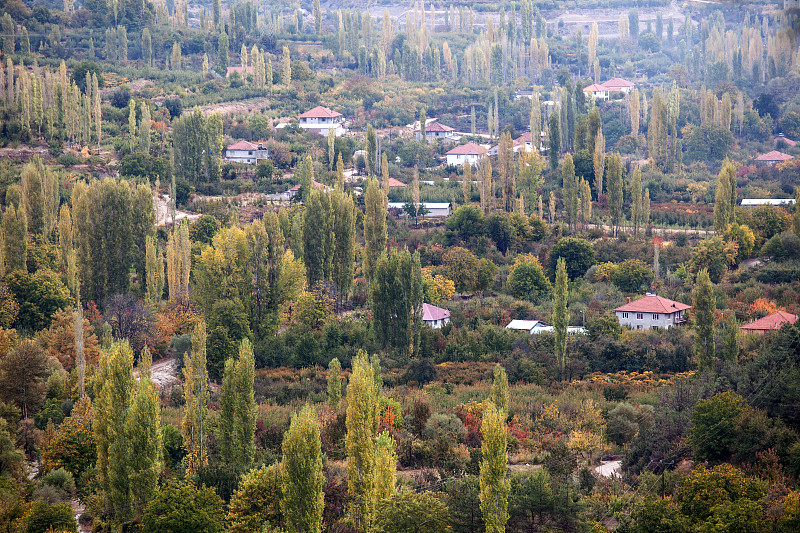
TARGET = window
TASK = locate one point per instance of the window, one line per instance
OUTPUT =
(654, 327)
(624, 315)
(655, 316)
(639, 316)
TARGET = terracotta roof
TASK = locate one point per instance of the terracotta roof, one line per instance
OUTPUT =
(774, 156)
(437, 126)
(595, 88)
(616, 82)
(317, 185)
(243, 145)
(231, 70)
(653, 304)
(319, 112)
(787, 140)
(431, 312)
(773, 321)
(395, 183)
(467, 149)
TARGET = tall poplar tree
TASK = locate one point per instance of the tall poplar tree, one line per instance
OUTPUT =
(570, 188)
(599, 162)
(385, 467)
(303, 498)
(494, 482)
(614, 174)
(704, 303)
(362, 425)
(195, 393)
(372, 150)
(144, 433)
(286, 67)
(730, 348)
(500, 388)
(636, 200)
(155, 271)
(554, 135)
(344, 230)
(334, 382)
(560, 317)
(15, 239)
(374, 226)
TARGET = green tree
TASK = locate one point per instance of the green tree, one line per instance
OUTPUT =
(560, 317)
(527, 281)
(362, 426)
(614, 175)
(423, 123)
(570, 188)
(397, 300)
(144, 433)
(713, 433)
(411, 512)
(318, 237)
(256, 502)
(334, 382)
(500, 389)
(44, 517)
(303, 499)
(632, 275)
(494, 481)
(15, 239)
(286, 67)
(715, 255)
(222, 52)
(385, 467)
(155, 271)
(147, 47)
(41, 195)
(636, 200)
(182, 507)
(344, 230)
(730, 342)
(371, 150)
(22, 373)
(554, 135)
(195, 393)
(704, 303)
(578, 254)
(374, 226)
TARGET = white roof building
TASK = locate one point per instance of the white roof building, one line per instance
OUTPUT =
(753, 202)
(534, 327)
(435, 209)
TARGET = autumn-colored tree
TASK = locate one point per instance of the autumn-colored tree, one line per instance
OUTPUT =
(362, 426)
(614, 173)
(560, 317)
(334, 382)
(73, 447)
(144, 434)
(385, 467)
(256, 503)
(494, 482)
(704, 304)
(60, 340)
(22, 373)
(195, 392)
(500, 389)
(436, 287)
(303, 499)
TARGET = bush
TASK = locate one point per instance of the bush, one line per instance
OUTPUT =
(182, 507)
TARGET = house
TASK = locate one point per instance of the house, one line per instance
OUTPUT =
(246, 152)
(768, 323)
(770, 158)
(618, 85)
(321, 120)
(652, 312)
(293, 191)
(435, 209)
(466, 153)
(534, 327)
(243, 72)
(436, 130)
(395, 183)
(754, 202)
(597, 91)
(781, 138)
(435, 317)
(524, 140)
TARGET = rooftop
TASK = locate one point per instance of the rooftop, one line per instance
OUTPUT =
(653, 304)
(243, 145)
(773, 321)
(595, 88)
(438, 127)
(319, 112)
(774, 156)
(395, 183)
(787, 140)
(767, 201)
(526, 325)
(617, 82)
(431, 312)
(467, 149)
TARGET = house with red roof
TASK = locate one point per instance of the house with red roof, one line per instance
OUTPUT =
(618, 85)
(597, 91)
(435, 317)
(436, 130)
(782, 138)
(321, 120)
(773, 157)
(769, 323)
(395, 183)
(246, 152)
(652, 312)
(465, 153)
(291, 193)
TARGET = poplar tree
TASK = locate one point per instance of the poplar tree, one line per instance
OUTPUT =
(554, 135)
(585, 191)
(599, 161)
(730, 341)
(334, 382)
(144, 127)
(570, 188)
(636, 200)
(344, 244)
(286, 67)
(318, 237)
(505, 158)
(114, 448)
(195, 392)
(385, 467)
(423, 123)
(155, 271)
(270, 75)
(331, 145)
(227, 407)
(222, 52)
(132, 124)
(362, 425)
(244, 421)
(704, 303)
(40, 195)
(372, 150)
(303, 498)
(634, 110)
(266, 246)
(466, 183)
(725, 198)
(179, 262)
(374, 226)
(494, 482)
(560, 317)
(147, 47)
(500, 388)
(144, 433)
(614, 173)
(317, 17)
(15, 239)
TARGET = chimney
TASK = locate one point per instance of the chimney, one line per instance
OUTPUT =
(628, 299)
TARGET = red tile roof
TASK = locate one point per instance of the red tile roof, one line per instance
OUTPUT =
(438, 126)
(319, 112)
(774, 156)
(653, 304)
(595, 88)
(616, 83)
(773, 321)
(787, 140)
(243, 145)
(395, 183)
(431, 312)
(467, 149)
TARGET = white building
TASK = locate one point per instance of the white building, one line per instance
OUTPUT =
(246, 152)
(618, 85)
(597, 91)
(321, 120)
(466, 153)
(436, 130)
(534, 327)
(435, 317)
(435, 209)
(652, 312)
(754, 202)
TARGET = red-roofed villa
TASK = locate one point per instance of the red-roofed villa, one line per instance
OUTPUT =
(246, 152)
(395, 183)
(769, 323)
(321, 119)
(770, 158)
(435, 317)
(652, 312)
(436, 130)
(618, 85)
(469, 153)
(597, 90)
